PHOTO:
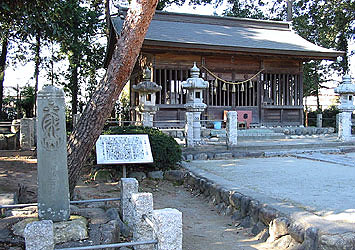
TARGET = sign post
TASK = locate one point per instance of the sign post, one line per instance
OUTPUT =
(123, 149)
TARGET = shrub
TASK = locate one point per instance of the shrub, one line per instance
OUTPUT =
(166, 152)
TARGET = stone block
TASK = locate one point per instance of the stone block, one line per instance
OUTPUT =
(267, 214)
(174, 175)
(39, 235)
(235, 200)
(129, 186)
(223, 156)
(200, 156)
(297, 232)
(142, 205)
(244, 205)
(157, 175)
(310, 239)
(168, 224)
(278, 228)
(72, 230)
(140, 176)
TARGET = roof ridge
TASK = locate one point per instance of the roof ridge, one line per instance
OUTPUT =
(218, 20)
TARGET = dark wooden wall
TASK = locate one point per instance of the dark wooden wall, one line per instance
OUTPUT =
(274, 96)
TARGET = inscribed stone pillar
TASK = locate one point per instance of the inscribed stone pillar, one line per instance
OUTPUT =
(168, 224)
(232, 128)
(143, 205)
(189, 129)
(27, 133)
(53, 188)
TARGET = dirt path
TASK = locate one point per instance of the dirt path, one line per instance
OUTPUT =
(203, 227)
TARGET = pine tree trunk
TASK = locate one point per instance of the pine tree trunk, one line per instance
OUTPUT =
(2, 71)
(99, 107)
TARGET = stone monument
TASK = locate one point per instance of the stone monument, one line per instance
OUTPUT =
(346, 91)
(232, 128)
(194, 106)
(27, 133)
(147, 97)
(53, 188)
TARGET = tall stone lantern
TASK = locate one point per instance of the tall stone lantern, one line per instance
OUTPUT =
(147, 96)
(194, 106)
(346, 90)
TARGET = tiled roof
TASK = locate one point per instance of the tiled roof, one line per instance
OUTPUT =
(226, 33)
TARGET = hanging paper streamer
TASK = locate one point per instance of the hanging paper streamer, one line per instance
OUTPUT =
(250, 84)
(233, 88)
(242, 87)
(224, 87)
(216, 83)
(215, 91)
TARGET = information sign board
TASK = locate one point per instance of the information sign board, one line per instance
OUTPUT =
(123, 149)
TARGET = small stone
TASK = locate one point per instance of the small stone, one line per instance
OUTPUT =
(258, 228)
(236, 216)
(244, 206)
(246, 222)
(156, 175)
(297, 232)
(285, 242)
(189, 157)
(263, 235)
(278, 228)
(223, 156)
(235, 200)
(267, 214)
(174, 175)
(311, 239)
(137, 175)
(201, 156)
(72, 230)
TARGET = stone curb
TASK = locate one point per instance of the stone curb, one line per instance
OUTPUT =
(266, 222)
(225, 155)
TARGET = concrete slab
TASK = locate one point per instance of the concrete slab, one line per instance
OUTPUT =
(316, 193)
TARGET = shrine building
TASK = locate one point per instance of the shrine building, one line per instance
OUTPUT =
(253, 66)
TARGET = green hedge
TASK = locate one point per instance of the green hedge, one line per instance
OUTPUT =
(329, 117)
(166, 151)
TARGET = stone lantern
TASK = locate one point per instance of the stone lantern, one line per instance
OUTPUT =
(194, 106)
(346, 90)
(147, 96)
